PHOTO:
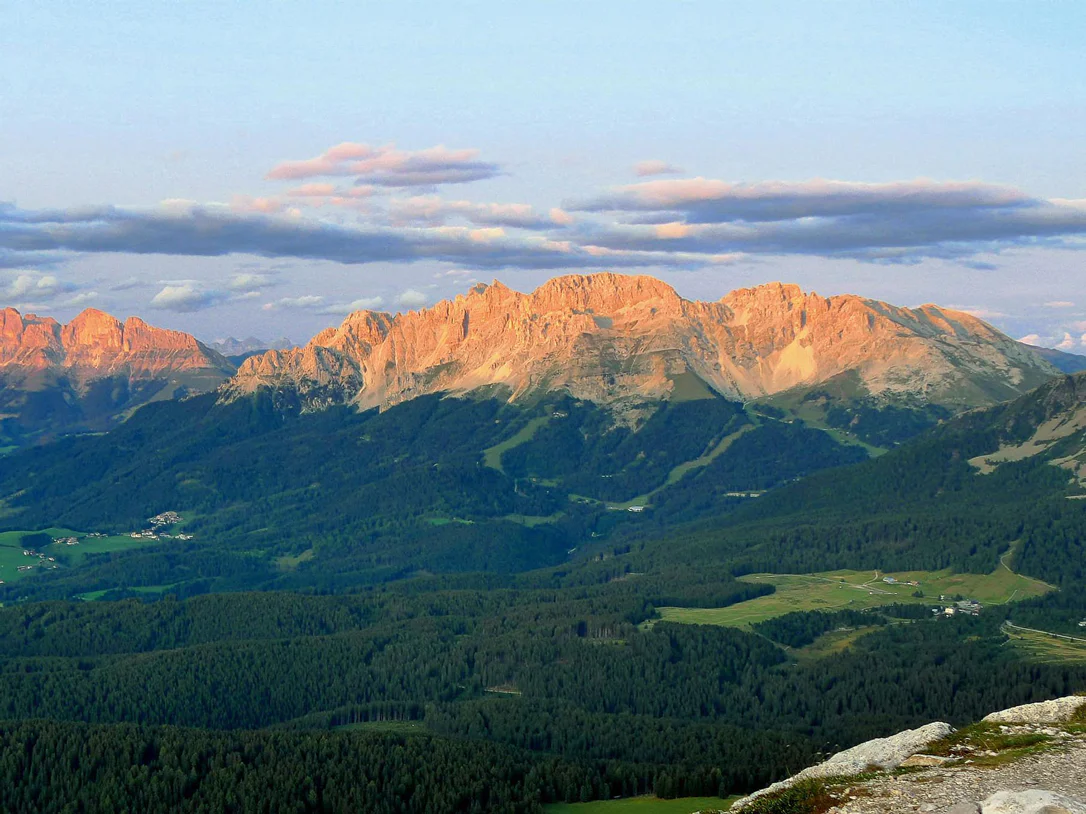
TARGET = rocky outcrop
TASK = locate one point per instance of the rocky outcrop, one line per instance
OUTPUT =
(94, 345)
(90, 373)
(609, 338)
(1056, 711)
(1039, 767)
(881, 753)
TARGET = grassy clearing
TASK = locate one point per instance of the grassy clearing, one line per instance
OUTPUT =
(1046, 648)
(533, 520)
(444, 521)
(492, 456)
(289, 562)
(832, 643)
(12, 558)
(688, 386)
(677, 474)
(643, 805)
(859, 590)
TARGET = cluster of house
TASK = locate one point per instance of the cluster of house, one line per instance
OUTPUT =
(43, 560)
(94, 535)
(159, 522)
(969, 607)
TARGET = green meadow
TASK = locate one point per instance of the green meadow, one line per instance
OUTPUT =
(859, 590)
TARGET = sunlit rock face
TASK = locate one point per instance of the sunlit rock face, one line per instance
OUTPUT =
(612, 338)
(36, 350)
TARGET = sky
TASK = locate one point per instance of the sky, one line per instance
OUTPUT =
(242, 168)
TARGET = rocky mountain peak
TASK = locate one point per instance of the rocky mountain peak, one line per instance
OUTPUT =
(611, 338)
(35, 350)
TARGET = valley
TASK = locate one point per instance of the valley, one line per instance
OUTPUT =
(677, 597)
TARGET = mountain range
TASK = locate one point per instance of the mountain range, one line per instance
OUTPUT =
(92, 372)
(651, 554)
(611, 339)
(621, 341)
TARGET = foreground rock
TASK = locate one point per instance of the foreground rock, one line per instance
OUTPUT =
(883, 753)
(1057, 711)
(1024, 760)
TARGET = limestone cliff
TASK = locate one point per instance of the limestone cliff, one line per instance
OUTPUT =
(96, 345)
(609, 338)
(87, 374)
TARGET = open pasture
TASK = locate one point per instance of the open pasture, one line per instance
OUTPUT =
(859, 590)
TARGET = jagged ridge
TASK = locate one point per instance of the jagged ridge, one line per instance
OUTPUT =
(609, 338)
(95, 345)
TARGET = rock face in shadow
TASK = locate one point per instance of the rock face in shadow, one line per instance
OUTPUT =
(609, 338)
(87, 374)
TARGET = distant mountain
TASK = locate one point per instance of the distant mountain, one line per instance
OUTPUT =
(1067, 362)
(87, 375)
(231, 346)
(614, 339)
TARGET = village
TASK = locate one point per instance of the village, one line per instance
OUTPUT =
(155, 531)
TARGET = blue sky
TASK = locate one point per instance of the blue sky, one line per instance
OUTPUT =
(912, 152)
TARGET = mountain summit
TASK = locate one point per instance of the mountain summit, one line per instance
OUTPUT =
(87, 374)
(608, 338)
(95, 345)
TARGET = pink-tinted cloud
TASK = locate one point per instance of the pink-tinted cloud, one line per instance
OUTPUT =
(247, 203)
(655, 167)
(312, 191)
(1067, 343)
(704, 200)
(387, 166)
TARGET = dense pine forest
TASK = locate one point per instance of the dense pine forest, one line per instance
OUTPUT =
(448, 606)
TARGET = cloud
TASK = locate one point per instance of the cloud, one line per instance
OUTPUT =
(1059, 304)
(251, 281)
(313, 191)
(344, 308)
(655, 167)
(313, 302)
(304, 301)
(980, 312)
(411, 299)
(386, 166)
(678, 223)
(882, 234)
(190, 230)
(83, 298)
(32, 287)
(1031, 339)
(432, 210)
(247, 203)
(186, 297)
(1067, 343)
(704, 200)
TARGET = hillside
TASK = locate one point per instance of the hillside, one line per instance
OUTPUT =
(1066, 362)
(613, 339)
(89, 374)
(479, 586)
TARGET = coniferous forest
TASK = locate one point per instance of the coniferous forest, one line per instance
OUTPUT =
(435, 608)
